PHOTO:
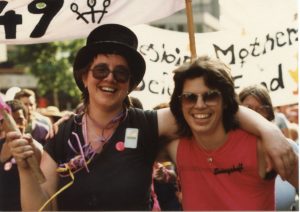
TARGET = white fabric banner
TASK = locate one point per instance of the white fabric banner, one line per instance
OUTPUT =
(265, 57)
(37, 21)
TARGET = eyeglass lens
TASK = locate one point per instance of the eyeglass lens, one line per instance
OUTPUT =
(209, 98)
(120, 73)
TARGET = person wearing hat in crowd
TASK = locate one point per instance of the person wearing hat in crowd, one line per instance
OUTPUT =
(217, 162)
(52, 112)
(102, 159)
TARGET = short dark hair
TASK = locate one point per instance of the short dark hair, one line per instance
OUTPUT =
(16, 105)
(135, 102)
(217, 76)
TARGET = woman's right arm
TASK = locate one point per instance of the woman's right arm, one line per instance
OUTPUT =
(33, 194)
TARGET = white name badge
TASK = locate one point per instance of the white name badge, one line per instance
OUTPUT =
(131, 138)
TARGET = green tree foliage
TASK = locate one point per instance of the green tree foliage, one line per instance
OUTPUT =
(51, 63)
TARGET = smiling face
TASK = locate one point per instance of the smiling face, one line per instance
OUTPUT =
(107, 91)
(202, 118)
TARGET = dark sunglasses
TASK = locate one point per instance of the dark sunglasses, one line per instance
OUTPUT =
(209, 98)
(120, 73)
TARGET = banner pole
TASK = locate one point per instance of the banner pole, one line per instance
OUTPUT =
(190, 25)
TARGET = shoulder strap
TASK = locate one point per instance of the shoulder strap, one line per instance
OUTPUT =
(64, 130)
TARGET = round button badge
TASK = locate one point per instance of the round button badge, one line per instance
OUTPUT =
(120, 146)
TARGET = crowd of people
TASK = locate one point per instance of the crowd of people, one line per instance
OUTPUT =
(204, 150)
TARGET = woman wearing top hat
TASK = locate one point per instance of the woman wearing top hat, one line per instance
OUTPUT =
(102, 159)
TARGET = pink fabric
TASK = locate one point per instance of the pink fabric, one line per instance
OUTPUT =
(156, 206)
(241, 188)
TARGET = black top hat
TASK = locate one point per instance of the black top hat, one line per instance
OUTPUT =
(111, 38)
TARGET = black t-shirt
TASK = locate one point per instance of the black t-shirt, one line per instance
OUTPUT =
(117, 180)
(9, 186)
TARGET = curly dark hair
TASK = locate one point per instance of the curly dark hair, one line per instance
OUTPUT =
(216, 76)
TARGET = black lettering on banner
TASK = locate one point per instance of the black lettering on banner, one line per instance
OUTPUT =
(278, 35)
(9, 20)
(154, 55)
(165, 76)
(157, 87)
(235, 78)
(290, 32)
(256, 48)
(92, 12)
(106, 3)
(269, 40)
(243, 54)
(49, 9)
(264, 84)
(274, 84)
(277, 83)
(224, 52)
(255, 44)
(149, 51)
(168, 58)
(150, 87)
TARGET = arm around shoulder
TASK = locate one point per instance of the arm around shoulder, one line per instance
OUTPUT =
(167, 126)
(274, 142)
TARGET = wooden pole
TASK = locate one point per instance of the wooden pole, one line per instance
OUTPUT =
(190, 24)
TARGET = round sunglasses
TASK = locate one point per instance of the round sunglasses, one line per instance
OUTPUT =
(120, 72)
(209, 98)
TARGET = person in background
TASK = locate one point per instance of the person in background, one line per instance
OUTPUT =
(102, 159)
(52, 112)
(9, 177)
(293, 117)
(292, 113)
(135, 102)
(294, 128)
(283, 123)
(256, 97)
(38, 125)
(165, 180)
(220, 166)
